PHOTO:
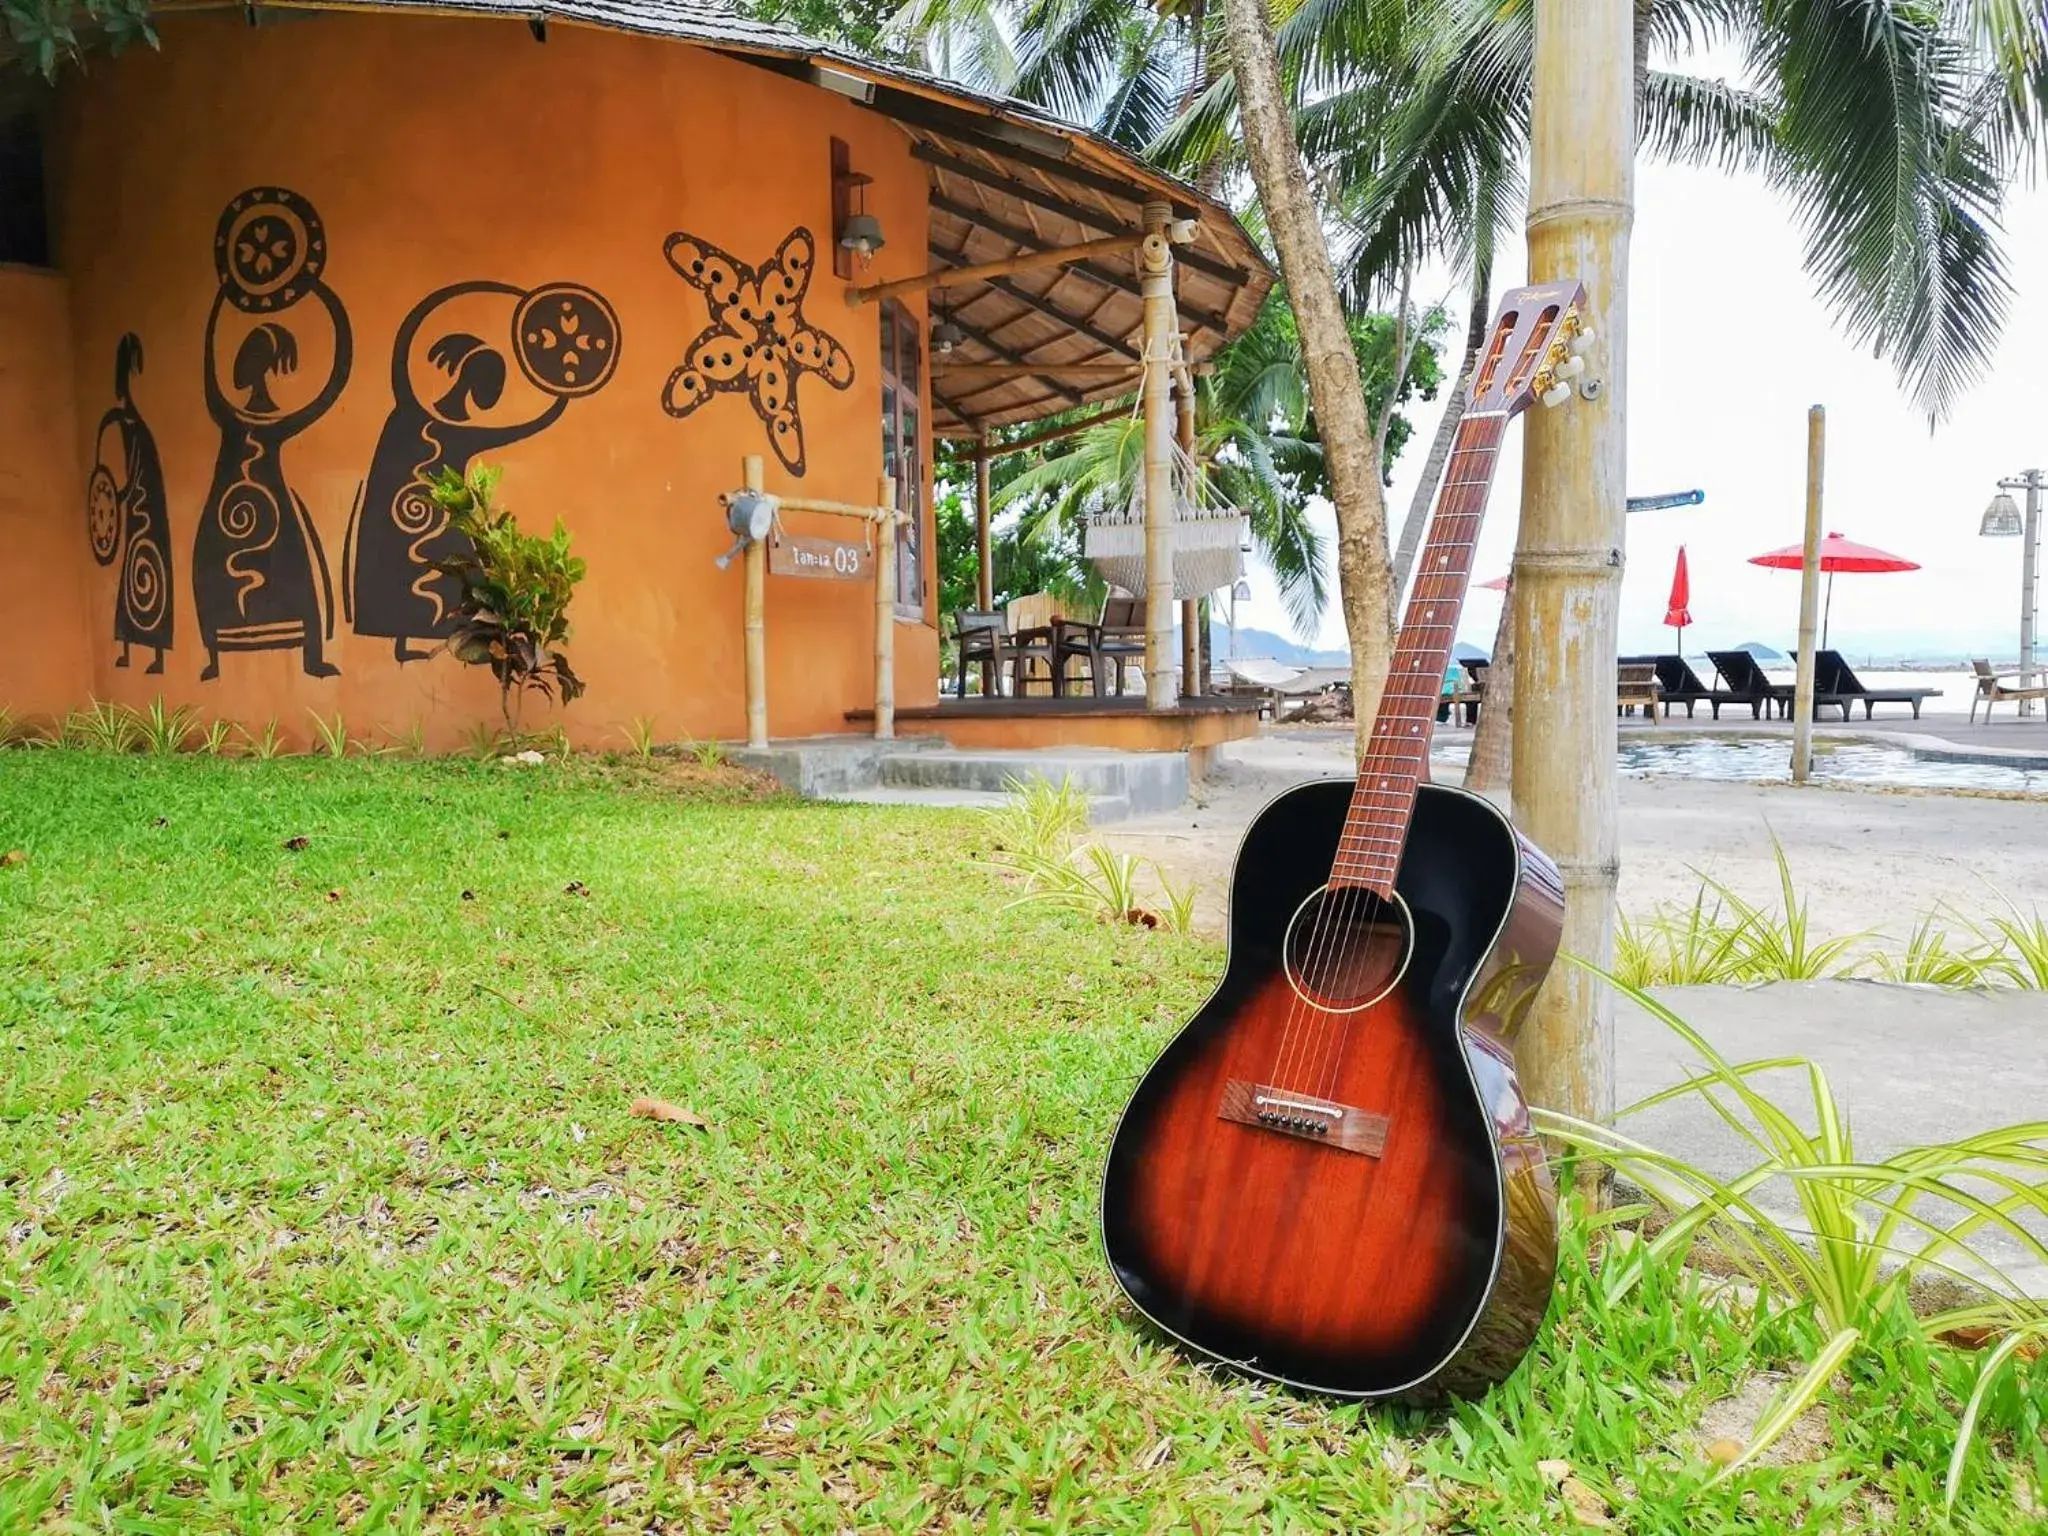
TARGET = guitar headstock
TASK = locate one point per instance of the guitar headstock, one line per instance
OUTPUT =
(1533, 351)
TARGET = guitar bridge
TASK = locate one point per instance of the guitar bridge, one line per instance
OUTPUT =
(1343, 1126)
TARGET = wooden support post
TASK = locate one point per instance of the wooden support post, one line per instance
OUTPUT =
(1155, 268)
(756, 632)
(984, 567)
(1193, 677)
(1809, 598)
(885, 609)
(1568, 562)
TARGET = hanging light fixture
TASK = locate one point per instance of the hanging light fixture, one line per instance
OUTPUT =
(862, 231)
(945, 335)
(2001, 519)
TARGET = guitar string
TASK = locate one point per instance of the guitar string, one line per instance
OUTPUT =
(1313, 1032)
(1464, 522)
(1392, 757)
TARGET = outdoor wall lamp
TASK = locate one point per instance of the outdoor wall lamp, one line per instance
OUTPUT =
(946, 335)
(751, 516)
(2003, 520)
(862, 231)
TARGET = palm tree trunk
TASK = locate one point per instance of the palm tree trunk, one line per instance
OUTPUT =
(1334, 387)
(1446, 429)
(1488, 769)
(1568, 559)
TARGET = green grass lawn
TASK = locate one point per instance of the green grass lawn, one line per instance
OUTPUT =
(321, 1205)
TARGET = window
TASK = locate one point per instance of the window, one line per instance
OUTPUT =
(902, 450)
(24, 221)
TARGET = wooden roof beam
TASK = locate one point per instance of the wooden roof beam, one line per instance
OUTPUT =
(1080, 213)
(1046, 307)
(995, 450)
(1023, 261)
(1003, 354)
(1005, 372)
(1030, 239)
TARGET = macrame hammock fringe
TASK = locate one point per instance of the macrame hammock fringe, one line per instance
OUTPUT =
(1208, 536)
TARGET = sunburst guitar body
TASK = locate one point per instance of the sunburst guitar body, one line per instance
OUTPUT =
(1329, 1178)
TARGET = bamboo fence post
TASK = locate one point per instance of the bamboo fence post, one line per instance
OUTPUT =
(1809, 598)
(755, 627)
(1191, 674)
(1155, 266)
(1568, 562)
(984, 572)
(885, 609)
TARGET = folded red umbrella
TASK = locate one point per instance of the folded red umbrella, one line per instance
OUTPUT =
(1676, 613)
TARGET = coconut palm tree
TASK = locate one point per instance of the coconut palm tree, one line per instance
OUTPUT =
(1257, 446)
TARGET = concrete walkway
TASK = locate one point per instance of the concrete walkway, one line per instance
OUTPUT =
(1911, 1065)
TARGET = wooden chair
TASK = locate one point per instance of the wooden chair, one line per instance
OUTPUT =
(1682, 685)
(984, 640)
(1121, 634)
(1991, 687)
(1636, 687)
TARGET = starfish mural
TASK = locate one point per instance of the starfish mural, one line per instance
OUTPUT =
(758, 339)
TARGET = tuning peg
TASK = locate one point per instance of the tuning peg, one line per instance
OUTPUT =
(1571, 367)
(1586, 336)
(1557, 394)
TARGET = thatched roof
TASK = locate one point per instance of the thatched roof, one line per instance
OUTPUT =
(1005, 178)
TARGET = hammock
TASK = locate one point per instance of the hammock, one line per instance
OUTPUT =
(1208, 537)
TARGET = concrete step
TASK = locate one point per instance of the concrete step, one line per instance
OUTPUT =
(1145, 782)
(825, 766)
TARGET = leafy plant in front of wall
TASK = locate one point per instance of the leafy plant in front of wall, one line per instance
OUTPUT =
(513, 616)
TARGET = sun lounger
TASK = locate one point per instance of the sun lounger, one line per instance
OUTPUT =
(1832, 679)
(1747, 684)
(1682, 685)
(1991, 687)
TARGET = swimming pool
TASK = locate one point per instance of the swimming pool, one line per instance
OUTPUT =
(1747, 759)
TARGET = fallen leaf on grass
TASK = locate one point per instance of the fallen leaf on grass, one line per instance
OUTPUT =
(1158, 1456)
(576, 888)
(1258, 1435)
(661, 1109)
(1554, 1472)
(1586, 1505)
(334, 895)
(297, 844)
(12, 857)
(1723, 1450)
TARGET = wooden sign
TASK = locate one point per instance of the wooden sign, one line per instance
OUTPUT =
(822, 559)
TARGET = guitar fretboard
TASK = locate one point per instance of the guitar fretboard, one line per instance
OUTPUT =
(1397, 758)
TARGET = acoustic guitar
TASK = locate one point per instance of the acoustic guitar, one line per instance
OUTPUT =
(1329, 1179)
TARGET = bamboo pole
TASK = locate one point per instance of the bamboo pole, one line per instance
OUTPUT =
(988, 449)
(885, 609)
(1155, 266)
(1192, 676)
(1568, 562)
(1809, 597)
(756, 632)
(984, 566)
(957, 277)
(997, 373)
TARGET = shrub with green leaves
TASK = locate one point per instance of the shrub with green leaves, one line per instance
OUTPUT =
(513, 615)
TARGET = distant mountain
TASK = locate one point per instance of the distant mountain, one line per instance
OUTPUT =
(1263, 642)
(1761, 651)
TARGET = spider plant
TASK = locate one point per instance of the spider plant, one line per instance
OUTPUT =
(410, 742)
(10, 728)
(709, 754)
(2023, 953)
(1780, 946)
(164, 731)
(1929, 960)
(1097, 881)
(639, 734)
(1180, 902)
(1865, 1231)
(484, 740)
(214, 740)
(267, 745)
(102, 726)
(1039, 819)
(332, 734)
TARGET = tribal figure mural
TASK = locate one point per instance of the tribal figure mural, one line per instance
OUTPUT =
(128, 516)
(758, 339)
(454, 395)
(259, 574)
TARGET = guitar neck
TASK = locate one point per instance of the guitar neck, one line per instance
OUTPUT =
(1397, 757)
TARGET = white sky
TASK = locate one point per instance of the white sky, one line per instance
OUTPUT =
(1727, 348)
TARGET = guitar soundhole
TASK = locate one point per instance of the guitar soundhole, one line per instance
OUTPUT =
(1348, 947)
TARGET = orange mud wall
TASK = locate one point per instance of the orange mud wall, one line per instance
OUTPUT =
(516, 201)
(42, 521)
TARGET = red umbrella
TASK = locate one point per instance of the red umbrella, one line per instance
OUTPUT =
(1676, 613)
(1498, 584)
(1836, 554)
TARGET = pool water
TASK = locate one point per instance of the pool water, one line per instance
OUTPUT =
(1747, 759)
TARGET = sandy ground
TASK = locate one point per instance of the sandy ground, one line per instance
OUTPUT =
(1864, 860)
